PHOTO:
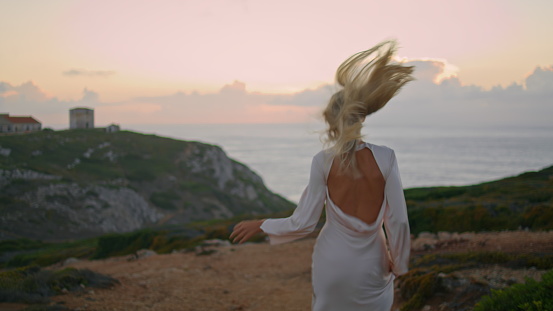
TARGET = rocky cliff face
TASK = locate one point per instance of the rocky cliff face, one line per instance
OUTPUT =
(73, 184)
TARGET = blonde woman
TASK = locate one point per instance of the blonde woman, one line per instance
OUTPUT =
(358, 184)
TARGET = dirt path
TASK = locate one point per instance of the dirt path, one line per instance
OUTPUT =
(253, 276)
(246, 277)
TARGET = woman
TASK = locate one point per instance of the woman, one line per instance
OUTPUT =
(359, 185)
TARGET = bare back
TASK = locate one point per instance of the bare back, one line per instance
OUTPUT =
(361, 197)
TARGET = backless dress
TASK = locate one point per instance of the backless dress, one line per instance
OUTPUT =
(351, 259)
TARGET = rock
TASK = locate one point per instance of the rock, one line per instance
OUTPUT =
(467, 235)
(69, 261)
(423, 244)
(5, 151)
(216, 242)
(455, 236)
(204, 251)
(108, 209)
(145, 253)
(442, 235)
(426, 235)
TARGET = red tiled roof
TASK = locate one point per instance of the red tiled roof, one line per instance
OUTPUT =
(20, 120)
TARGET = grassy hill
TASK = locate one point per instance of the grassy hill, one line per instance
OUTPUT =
(62, 185)
(524, 201)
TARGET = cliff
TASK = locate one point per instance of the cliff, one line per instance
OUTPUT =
(80, 183)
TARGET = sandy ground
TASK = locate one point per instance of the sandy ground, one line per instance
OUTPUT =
(253, 276)
(245, 277)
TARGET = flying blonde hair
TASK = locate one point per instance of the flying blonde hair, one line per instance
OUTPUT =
(368, 80)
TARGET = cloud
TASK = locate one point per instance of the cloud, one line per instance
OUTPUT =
(90, 98)
(317, 97)
(29, 99)
(450, 103)
(88, 73)
(436, 98)
(541, 80)
(231, 104)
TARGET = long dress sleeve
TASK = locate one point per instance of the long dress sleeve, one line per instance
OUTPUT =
(307, 213)
(395, 220)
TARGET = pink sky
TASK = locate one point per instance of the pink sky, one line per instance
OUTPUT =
(134, 58)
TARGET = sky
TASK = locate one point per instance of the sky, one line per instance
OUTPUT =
(240, 61)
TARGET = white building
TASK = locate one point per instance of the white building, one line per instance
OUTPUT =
(112, 128)
(22, 124)
(81, 118)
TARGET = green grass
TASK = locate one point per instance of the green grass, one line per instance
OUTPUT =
(530, 296)
(142, 156)
(45, 254)
(19, 245)
(521, 201)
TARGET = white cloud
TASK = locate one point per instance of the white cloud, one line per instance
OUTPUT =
(541, 80)
(88, 73)
(423, 101)
(29, 99)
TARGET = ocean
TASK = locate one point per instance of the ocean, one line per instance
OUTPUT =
(428, 156)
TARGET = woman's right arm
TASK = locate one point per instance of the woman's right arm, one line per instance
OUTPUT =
(307, 213)
(396, 222)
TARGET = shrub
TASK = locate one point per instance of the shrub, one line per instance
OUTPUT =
(33, 285)
(51, 254)
(122, 244)
(19, 244)
(417, 286)
(530, 296)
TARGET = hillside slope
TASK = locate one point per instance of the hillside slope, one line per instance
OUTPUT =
(523, 201)
(80, 183)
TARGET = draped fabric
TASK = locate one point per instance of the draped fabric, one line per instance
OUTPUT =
(351, 259)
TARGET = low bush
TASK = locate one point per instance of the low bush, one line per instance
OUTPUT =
(122, 244)
(417, 286)
(31, 284)
(530, 296)
(50, 254)
(18, 245)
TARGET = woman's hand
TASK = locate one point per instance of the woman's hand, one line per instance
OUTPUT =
(244, 230)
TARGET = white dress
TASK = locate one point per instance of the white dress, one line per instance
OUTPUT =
(351, 262)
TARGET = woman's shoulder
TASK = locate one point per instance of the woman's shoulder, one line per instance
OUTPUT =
(322, 156)
(380, 149)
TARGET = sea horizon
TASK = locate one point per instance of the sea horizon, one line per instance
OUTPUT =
(427, 155)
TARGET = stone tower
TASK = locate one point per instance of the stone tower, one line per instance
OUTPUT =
(81, 118)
